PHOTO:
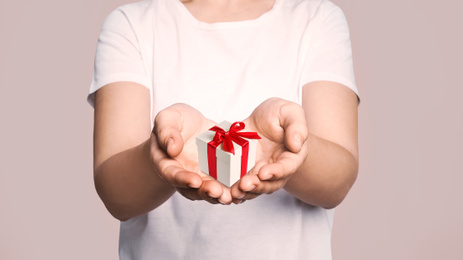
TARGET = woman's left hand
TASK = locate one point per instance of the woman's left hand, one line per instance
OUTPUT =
(282, 126)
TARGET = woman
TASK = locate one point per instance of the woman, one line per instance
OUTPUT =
(165, 71)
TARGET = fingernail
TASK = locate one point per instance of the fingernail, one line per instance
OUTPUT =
(221, 202)
(265, 177)
(242, 196)
(250, 188)
(169, 142)
(211, 196)
(194, 185)
(298, 141)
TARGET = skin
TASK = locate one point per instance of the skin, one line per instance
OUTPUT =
(302, 150)
(211, 11)
(311, 150)
(330, 164)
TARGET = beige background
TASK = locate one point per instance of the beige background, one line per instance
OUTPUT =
(406, 203)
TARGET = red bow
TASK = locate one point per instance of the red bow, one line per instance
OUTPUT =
(228, 138)
(231, 136)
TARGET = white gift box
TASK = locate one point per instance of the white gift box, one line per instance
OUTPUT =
(228, 165)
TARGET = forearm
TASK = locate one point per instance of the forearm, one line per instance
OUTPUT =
(326, 176)
(128, 185)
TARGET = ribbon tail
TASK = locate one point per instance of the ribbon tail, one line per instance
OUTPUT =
(228, 145)
(244, 159)
(211, 160)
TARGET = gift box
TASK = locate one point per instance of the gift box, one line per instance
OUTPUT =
(225, 153)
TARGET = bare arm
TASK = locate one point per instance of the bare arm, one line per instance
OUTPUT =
(331, 166)
(136, 169)
(311, 150)
(124, 176)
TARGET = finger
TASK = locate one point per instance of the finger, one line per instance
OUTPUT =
(189, 193)
(226, 197)
(245, 184)
(212, 189)
(181, 178)
(167, 128)
(236, 193)
(209, 191)
(257, 188)
(292, 119)
(253, 186)
(170, 170)
(282, 168)
(194, 194)
(249, 196)
(246, 196)
(266, 187)
(257, 166)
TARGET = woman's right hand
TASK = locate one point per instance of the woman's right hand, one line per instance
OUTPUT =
(174, 154)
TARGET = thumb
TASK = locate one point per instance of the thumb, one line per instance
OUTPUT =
(292, 118)
(167, 130)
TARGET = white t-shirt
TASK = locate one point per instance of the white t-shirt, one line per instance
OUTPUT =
(225, 70)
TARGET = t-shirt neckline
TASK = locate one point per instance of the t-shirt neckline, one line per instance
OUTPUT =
(184, 12)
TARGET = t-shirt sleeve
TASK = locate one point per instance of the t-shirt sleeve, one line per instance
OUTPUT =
(329, 55)
(118, 56)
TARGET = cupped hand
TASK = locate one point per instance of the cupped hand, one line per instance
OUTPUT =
(282, 126)
(174, 154)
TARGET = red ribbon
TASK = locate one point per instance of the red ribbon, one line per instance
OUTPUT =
(233, 135)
